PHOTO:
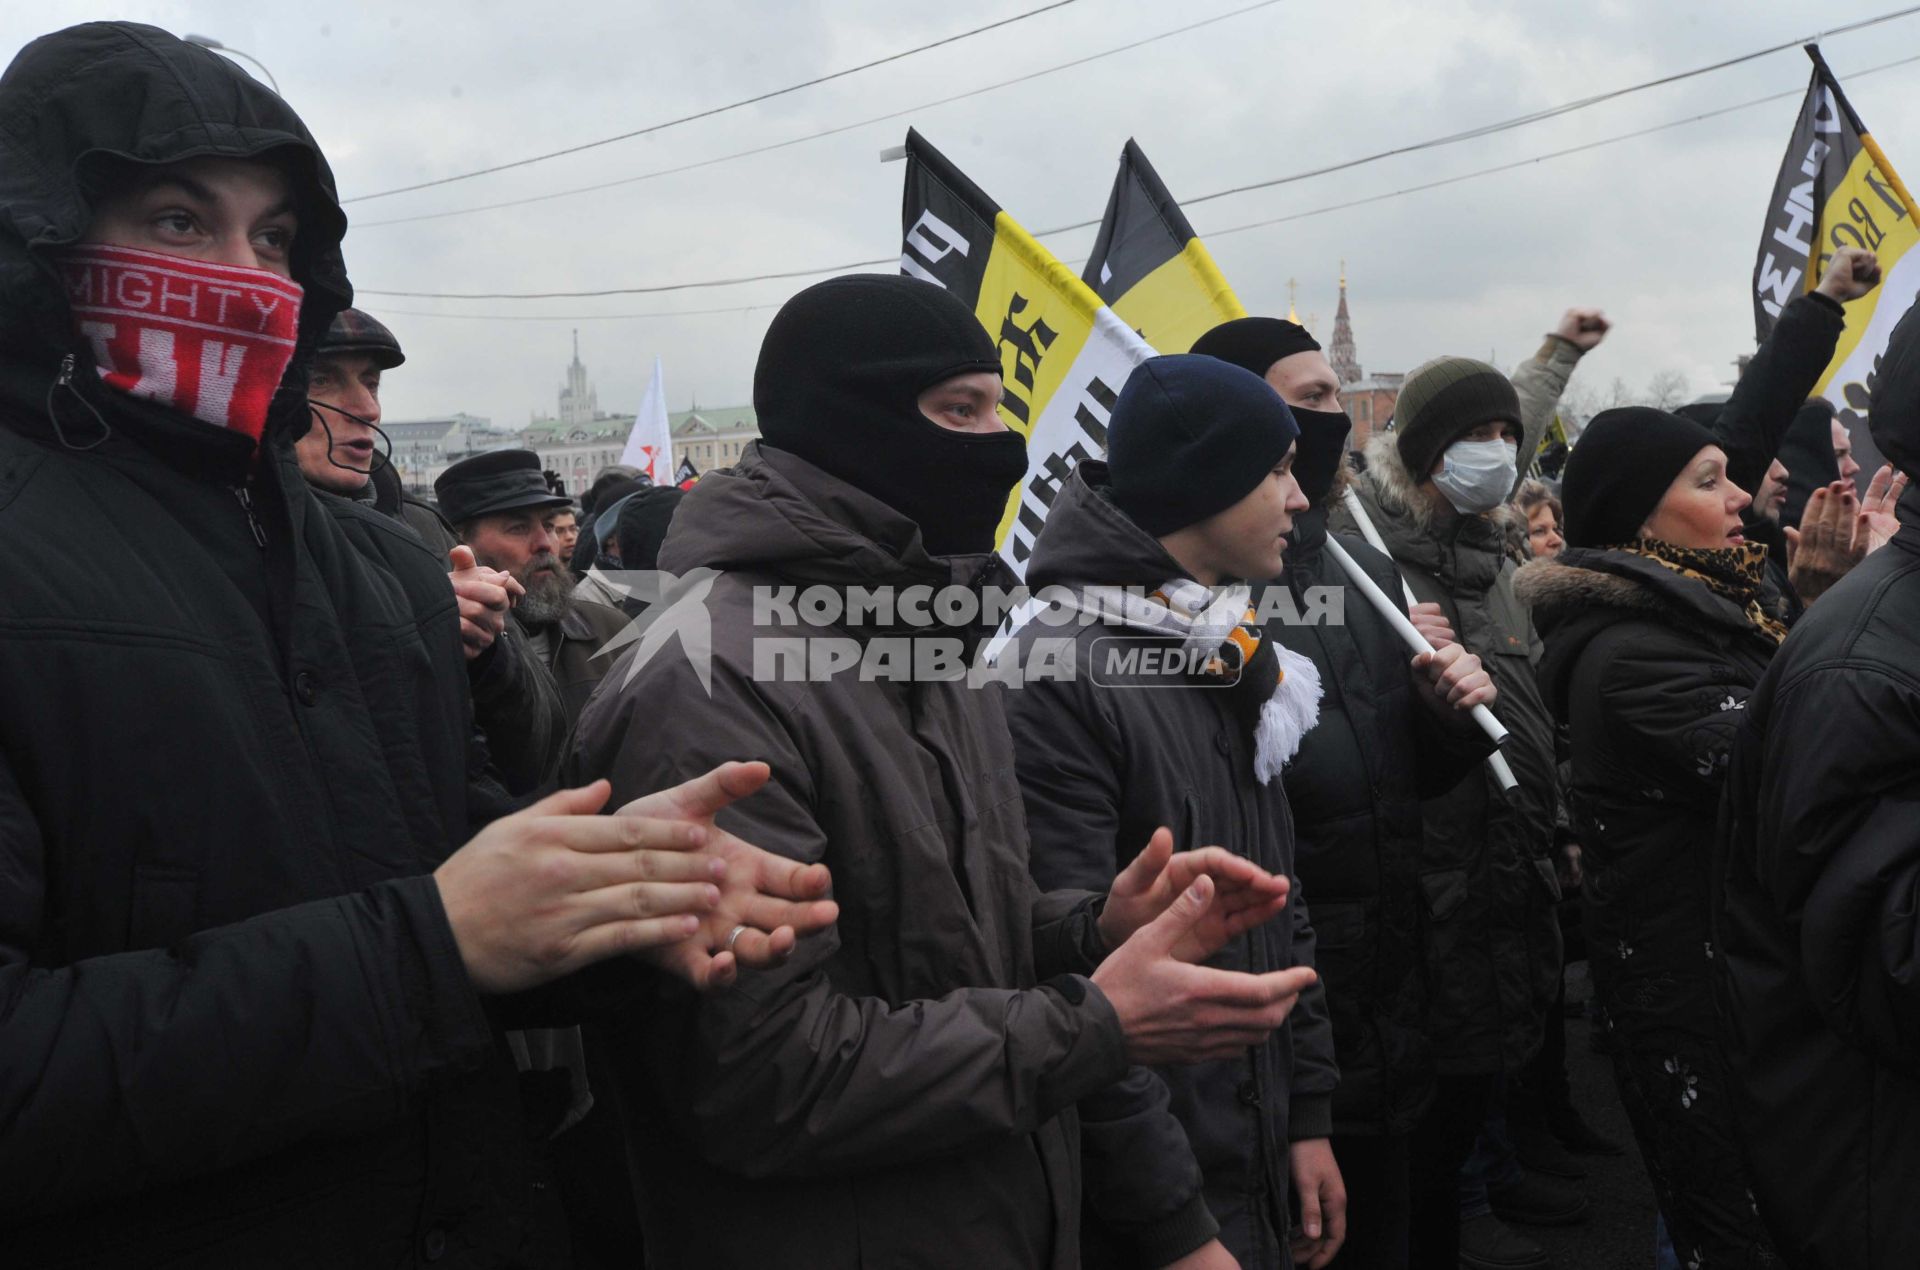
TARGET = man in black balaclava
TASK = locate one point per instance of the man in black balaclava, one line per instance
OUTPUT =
(1387, 737)
(895, 392)
(908, 1083)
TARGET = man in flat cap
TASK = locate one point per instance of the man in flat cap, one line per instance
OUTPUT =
(501, 508)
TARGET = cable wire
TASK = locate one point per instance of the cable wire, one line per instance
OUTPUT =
(814, 136)
(715, 110)
(1374, 198)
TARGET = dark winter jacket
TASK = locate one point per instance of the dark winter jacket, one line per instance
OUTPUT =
(234, 1026)
(1783, 373)
(1818, 935)
(1356, 788)
(901, 1091)
(518, 707)
(1104, 760)
(1650, 672)
(1488, 880)
(573, 653)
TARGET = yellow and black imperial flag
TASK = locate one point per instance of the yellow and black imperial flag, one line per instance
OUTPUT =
(1064, 356)
(1151, 267)
(1836, 189)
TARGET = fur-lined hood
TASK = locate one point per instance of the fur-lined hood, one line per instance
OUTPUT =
(1585, 591)
(1581, 581)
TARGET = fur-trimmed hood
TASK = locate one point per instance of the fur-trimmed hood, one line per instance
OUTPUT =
(1579, 581)
(1583, 591)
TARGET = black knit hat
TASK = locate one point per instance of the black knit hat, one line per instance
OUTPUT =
(1192, 436)
(1444, 399)
(643, 524)
(1256, 343)
(1621, 468)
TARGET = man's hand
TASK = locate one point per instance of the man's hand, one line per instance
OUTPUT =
(1823, 549)
(1212, 1255)
(1323, 1203)
(484, 596)
(1431, 621)
(775, 899)
(1456, 678)
(1878, 521)
(1851, 273)
(1249, 896)
(1583, 328)
(553, 888)
(1174, 1012)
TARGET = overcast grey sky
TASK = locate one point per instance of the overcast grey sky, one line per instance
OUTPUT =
(1659, 230)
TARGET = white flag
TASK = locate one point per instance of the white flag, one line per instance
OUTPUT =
(650, 445)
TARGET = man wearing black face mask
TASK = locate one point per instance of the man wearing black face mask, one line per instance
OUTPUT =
(902, 1091)
(1388, 737)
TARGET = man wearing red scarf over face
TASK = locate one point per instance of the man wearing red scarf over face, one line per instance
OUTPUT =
(251, 981)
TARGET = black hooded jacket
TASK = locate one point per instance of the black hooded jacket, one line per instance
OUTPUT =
(1490, 889)
(1102, 763)
(1816, 919)
(1356, 787)
(1650, 673)
(234, 1025)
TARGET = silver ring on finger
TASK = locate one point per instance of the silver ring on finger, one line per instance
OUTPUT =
(733, 936)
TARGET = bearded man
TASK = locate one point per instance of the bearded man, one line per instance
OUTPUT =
(501, 507)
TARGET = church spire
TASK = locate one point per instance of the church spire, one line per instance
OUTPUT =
(1340, 353)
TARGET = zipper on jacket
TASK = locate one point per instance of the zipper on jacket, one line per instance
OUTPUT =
(245, 496)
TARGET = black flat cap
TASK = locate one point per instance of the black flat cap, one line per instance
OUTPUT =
(356, 332)
(499, 481)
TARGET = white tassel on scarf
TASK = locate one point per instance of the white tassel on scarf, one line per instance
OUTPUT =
(1288, 715)
(1204, 620)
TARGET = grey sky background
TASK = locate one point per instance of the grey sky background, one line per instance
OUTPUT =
(1660, 230)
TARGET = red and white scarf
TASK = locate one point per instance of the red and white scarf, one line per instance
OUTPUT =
(212, 341)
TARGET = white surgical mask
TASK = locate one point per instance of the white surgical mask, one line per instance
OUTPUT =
(1477, 476)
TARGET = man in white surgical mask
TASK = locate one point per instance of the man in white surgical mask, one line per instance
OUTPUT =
(1436, 488)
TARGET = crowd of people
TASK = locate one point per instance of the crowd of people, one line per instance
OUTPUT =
(369, 896)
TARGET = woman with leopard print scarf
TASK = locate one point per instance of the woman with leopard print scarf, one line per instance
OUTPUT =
(1656, 631)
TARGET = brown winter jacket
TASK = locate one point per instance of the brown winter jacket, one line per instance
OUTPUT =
(901, 1091)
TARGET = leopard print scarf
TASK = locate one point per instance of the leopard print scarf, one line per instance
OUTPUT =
(1733, 573)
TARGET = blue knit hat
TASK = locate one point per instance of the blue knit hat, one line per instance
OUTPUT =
(1190, 437)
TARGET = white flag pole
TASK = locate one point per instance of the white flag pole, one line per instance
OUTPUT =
(1404, 627)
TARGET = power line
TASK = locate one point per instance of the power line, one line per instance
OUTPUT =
(575, 317)
(1540, 158)
(1221, 233)
(862, 264)
(715, 110)
(814, 136)
(1520, 121)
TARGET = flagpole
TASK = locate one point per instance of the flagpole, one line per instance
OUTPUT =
(1867, 142)
(1408, 632)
